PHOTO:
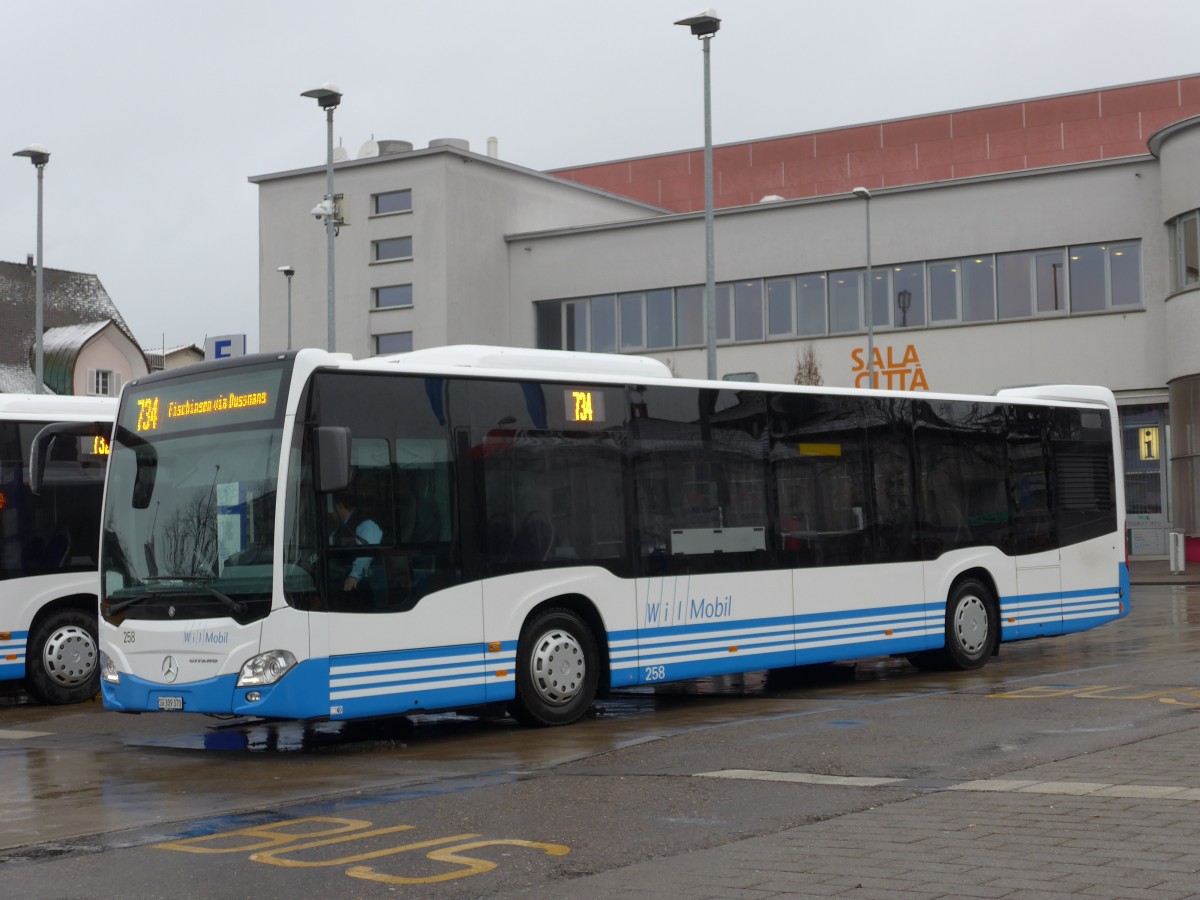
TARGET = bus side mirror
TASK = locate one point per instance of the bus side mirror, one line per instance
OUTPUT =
(333, 458)
(39, 452)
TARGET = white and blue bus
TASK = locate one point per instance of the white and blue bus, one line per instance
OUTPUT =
(306, 536)
(50, 546)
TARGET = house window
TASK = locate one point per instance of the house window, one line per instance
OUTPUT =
(391, 202)
(103, 383)
(392, 248)
(396, 342)
(395, 295)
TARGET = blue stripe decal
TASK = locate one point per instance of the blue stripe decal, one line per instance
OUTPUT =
(14, 646)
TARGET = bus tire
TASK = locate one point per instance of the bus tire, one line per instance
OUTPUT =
(972, 625)
(557, 669)
(62, 658)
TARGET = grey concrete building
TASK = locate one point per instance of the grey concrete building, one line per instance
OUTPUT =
(1072, 266)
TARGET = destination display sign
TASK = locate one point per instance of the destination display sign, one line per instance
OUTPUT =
(192, 403)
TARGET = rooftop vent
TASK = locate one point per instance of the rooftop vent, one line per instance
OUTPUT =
(457, 143)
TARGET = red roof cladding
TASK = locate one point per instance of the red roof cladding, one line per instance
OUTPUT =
(1104, 123)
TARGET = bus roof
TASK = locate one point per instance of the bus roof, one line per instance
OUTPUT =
(57, 406)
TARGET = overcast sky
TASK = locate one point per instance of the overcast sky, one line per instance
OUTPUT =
(156, 111)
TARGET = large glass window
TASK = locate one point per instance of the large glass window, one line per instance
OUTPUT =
(1087, 278)
(604, 324)
(943, 292)
(575, 325)
(393, 248)
(845, 301)
(724, 312)
(392, 202)
(1125, 274)
(748, 310)
(660, 325)
(810, 305)
(396, 342)
(689, 316)
(1050, 277)
(979, 289)
(549, 325)
(909, 296)
(881, 297)
(1014, 285)
(633, 335)
(395, 295)
(780, 306)
(1187, 250)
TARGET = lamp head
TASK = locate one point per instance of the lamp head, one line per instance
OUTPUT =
(704, 25)
(38, 155)
(327, 95)
(287, 270)
(862, 193)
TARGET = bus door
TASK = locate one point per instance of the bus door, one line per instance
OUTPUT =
(710, 600)
(1037, 607)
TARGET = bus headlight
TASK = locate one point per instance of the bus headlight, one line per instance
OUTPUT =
(266, 668)
(108, 670)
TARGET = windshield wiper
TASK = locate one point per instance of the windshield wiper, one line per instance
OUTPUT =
(234, 606)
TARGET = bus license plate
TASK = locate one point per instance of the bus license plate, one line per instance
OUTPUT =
(170, 703)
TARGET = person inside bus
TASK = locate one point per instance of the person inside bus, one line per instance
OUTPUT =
(351, 529)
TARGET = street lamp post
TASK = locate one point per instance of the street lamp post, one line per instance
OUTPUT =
(288, 271)
(39, 156)
(328, 96)
(704, 26)
(863, 193)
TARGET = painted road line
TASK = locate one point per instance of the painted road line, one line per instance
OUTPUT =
(993, 785)
(10, 734)
(800, 778)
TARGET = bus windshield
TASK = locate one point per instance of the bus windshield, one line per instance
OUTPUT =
(190, 511)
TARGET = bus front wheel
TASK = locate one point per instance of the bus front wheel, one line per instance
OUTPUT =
(972, 629)
(557, 669)
(62, 659)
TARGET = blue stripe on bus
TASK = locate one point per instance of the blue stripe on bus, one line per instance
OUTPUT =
(12, 655)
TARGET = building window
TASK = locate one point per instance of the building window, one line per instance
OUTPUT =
(845, 301)
(985, 288)
(810, 305)
(394, 295)
(781, 305)
(604, 324)
(660, 320)
(1185, 250)
(392, 248)
(1050, 276)
(748, 310)
(943, 292)
(103, 383)
(689, 317)
(391, 202)
(396, 342)
(908, 310)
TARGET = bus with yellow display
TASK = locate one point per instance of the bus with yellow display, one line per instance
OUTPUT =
(50, 546)
(302, 535)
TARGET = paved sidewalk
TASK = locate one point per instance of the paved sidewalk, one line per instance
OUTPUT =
(1158, 571)
(1122, 824)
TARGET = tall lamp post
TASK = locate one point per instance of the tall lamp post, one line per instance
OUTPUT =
(328, 96)
(288, 271)
(39, 156)
(864, 194)
(704, 26)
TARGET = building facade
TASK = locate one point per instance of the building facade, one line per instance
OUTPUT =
(1052, 240)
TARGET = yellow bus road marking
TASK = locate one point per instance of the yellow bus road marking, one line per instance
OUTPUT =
(278, 844)
(1178, 696)
(11, 734)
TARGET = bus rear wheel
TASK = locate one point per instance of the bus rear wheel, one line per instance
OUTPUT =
(62, 659)
(972, 629)
(557, 669)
